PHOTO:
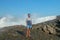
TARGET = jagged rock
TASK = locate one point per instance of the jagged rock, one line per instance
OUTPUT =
(45, 29)
(51, 29)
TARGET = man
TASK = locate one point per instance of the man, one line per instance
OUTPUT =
(29, 26)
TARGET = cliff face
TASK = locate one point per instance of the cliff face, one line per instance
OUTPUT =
(49, 30)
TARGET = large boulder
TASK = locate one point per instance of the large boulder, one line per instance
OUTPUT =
(49, 29)
(45, 29)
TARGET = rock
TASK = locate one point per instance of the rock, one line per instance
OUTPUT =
(51, 29)
(45, 29)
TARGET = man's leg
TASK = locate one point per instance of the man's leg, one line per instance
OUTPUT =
(29, 32)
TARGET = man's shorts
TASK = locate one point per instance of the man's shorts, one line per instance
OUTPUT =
(29, 26)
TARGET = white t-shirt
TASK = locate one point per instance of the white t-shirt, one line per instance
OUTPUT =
(28, 19)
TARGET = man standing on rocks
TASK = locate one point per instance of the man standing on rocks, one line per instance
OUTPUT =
(29, 26)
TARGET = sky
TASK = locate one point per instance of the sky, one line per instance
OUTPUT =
(19, 8)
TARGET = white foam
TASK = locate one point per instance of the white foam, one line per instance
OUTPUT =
(10, 20)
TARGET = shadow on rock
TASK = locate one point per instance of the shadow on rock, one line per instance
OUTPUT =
(21, 32)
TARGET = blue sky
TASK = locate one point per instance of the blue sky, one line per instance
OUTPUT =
(19, 8)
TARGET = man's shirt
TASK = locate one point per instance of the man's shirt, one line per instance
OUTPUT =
(29, 22)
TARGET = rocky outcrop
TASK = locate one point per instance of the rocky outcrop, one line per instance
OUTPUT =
(49, 29)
